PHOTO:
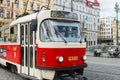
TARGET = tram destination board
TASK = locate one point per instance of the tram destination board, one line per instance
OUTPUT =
(64, 14)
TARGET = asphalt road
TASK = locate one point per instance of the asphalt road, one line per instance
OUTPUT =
(103, 68)
(7, 75)
(99, 68)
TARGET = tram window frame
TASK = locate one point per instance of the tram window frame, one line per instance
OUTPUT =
(22, 34)
(14, 34)
(42, 35)
(6, 35)
(47, 36)
(12, 30)
(0, 33)
(2, 36)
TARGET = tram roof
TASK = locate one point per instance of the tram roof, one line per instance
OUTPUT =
(24, 19)
(27, 18)
(20, 20)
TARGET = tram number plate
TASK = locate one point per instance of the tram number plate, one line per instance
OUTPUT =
(72, 58)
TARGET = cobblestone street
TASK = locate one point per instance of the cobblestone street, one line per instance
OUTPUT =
(100, 68)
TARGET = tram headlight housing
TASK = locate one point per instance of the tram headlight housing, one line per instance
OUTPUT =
(60, 59)
(84, 57)
(43, 57)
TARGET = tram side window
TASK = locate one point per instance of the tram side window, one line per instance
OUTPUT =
(9, 34)
(0, 33)
(6, 35)
(14, 34)
(2, 36)
(46, 35)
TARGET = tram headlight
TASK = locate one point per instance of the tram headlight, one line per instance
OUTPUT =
(84, 57)
(43, 57)
(60, 59)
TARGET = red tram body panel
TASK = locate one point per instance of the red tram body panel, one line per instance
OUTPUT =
(73, 57)
(10, 53)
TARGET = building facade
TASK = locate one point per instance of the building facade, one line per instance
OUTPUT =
(106, 30)
(107, 34)
(88, 12)
(88, 15)
(114, 33)
(11, 9)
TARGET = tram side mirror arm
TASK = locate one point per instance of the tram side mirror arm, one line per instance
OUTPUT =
(33, 25)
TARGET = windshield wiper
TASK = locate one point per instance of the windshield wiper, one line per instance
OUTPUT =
(60, 35)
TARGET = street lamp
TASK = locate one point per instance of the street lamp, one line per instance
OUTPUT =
(116, 10)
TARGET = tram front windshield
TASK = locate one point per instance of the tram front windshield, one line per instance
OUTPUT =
(60, 31)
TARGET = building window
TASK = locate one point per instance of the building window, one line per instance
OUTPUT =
(46, 1)
(1, 12)
(1, 1)
(76, 7)
(16, 1)
(69, 4)
(31, 6)
(17, 14)
(94, 43)
(8, 2)
(80, 16)
(24, 4)
(8, 14)
(56, 1)
(38, 7)
(17, 5)
(60, 2)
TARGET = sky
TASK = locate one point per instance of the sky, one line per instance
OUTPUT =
(107, 8)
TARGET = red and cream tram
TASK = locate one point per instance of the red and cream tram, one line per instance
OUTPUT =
(44, 45)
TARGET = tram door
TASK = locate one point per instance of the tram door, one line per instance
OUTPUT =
(27, 40)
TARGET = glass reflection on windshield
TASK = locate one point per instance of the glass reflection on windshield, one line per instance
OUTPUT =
(52, 30)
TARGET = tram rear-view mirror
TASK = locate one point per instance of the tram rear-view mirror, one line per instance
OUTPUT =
(33, 25)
